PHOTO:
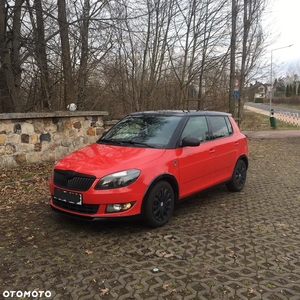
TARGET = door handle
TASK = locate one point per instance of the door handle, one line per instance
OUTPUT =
(212, 151)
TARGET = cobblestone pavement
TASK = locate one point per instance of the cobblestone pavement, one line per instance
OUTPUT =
(218, 245)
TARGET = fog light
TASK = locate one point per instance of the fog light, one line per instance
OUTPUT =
(126, 206)
(118, 207)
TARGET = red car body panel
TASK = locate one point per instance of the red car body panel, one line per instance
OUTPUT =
(100, 159)
(197, 168)
(192, 168)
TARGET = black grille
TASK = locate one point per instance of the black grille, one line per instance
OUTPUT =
(72, 180)
(89, 209)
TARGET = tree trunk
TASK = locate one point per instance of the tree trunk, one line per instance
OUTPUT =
(41, 55)
(6, 104)
(10, 58)
(69, 86)
(84, 35)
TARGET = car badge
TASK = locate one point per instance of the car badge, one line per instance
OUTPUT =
(70, 175)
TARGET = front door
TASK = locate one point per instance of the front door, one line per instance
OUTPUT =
(197, 163)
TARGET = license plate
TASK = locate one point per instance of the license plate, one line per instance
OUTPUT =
(67, 196)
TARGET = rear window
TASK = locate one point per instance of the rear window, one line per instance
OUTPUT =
(221, 126)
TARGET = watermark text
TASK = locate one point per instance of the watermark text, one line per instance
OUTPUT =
(26, 294)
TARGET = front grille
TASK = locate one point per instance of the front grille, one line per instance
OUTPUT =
(89, 209)
(72, 180)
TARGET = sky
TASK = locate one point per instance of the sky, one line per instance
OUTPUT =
(284, 19)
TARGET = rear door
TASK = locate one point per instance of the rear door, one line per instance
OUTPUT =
(197, 163)
(226, 147)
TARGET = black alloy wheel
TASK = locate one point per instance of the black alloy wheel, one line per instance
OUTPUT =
(159, 204)
(238, 178)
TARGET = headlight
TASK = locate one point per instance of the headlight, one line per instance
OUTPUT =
(117, 180)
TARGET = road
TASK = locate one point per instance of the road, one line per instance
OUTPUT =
(265, 108)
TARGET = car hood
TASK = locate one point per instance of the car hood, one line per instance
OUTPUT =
(101, 159)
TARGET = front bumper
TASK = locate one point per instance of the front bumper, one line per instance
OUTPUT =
(82, 217)
(93, 202)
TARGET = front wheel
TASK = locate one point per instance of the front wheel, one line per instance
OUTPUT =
(238, 179)
(159, 204)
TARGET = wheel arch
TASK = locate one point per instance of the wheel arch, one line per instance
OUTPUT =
(162, 177)
(245, 159)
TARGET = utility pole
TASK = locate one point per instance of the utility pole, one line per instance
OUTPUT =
(232, 99)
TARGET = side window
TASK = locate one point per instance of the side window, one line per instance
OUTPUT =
(229, 125)
(196, 127)
(220, 126)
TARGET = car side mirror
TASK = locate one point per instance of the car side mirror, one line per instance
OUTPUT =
(190, 141)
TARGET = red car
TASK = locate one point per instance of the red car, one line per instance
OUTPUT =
(147, 162)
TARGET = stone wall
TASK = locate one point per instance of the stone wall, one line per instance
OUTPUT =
(27, 138)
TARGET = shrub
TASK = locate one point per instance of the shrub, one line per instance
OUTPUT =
(258, 100)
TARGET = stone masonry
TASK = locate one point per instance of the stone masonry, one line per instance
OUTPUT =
(39, 137)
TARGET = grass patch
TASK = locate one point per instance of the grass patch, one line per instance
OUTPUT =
(256, 122)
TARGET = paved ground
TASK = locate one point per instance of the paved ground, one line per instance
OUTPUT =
(218, 245)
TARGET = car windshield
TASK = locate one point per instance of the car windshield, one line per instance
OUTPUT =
(147, 130)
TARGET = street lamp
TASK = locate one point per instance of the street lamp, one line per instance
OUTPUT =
(271, 88)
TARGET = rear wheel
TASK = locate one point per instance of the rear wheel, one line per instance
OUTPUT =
(159, 204)
(238, 179)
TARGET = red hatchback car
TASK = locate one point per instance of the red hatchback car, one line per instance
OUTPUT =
(148, 161)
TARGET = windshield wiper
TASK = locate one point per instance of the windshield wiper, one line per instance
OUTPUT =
(123, 142)
(130, 142)
(117, 142)
(137, 143)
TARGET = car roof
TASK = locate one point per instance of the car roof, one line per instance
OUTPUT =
(182, 113)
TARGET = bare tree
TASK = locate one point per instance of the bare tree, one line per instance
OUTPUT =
(10, 56)
(143, 37)
(212, 61)
(40, 55)
(125, 56)
(84, 37)
(252, 44)
(69, 84)
(199, 33)
(5, 104)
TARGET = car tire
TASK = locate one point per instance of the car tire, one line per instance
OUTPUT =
(159, 204)
(238, 179)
